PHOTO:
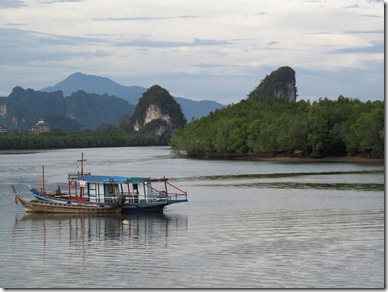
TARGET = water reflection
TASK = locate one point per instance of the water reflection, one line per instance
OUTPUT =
(85, 231)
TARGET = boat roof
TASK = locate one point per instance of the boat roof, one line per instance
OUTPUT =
(112, 179)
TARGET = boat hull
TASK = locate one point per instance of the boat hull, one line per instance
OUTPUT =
(154, 207)
(149, 206)
(39, 206)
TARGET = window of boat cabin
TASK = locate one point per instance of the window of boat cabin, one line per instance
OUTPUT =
(92, 190)
(108, 190)
(135, 188)
(112, 189)
(135, 192)
(117, 190)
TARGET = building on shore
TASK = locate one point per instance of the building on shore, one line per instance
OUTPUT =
(40, 127)
(3, 130)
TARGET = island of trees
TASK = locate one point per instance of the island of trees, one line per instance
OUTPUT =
(276, 127)
(271, 123)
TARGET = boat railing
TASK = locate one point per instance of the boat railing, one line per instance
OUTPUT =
(166, 193)
(77, 175)
(156, 197)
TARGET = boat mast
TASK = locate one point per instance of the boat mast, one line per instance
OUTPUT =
(82, 164)
(43, 178)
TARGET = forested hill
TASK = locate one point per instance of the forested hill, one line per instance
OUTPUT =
(157, 113)
(274, 126)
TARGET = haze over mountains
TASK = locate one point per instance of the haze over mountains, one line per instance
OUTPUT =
(103, 85)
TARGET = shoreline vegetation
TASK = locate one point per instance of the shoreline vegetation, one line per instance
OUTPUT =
(328, 159)
(357, 159)
(276, 128)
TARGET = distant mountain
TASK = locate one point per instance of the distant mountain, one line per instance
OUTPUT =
(92, 110)
(97, 84)
(197, 109)
(22, 108)
(102, 85)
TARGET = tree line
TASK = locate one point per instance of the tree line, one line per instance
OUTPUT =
(56, 139)
(276, 127)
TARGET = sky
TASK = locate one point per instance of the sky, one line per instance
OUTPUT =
(199, 49)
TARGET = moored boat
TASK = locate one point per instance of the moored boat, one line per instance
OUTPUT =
(39, 206)
(132, 193)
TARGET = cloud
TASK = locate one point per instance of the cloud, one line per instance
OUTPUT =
(31, 39)
(149, 43)
(4, 4)
(370, 15)
(208, 65)
(364, 31)
(272, 43)
(145, 18)
(20, 47)
(374, 49)
(351, 6)
(59, 1)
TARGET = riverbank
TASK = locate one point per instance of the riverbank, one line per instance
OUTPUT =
(334, 159)
(293, 159)
(17, 151)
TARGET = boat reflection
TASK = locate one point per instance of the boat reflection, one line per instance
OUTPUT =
(81, 231)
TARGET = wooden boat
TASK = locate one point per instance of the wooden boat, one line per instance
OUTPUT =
(39, 206)
(134, 194)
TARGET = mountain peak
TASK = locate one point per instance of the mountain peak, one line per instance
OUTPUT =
(96, 84)
(157, 112)
(101, 85)
(280, 83)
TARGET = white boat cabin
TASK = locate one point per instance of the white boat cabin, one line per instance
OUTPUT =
(102, 189)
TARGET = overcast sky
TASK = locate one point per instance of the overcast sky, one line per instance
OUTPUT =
(214, 49)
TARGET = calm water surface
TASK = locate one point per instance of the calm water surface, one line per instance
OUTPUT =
(246, 225)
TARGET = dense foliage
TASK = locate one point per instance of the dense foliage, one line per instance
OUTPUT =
(276, 127)
(109, 137)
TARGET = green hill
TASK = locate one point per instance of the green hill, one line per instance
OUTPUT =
(157, 113)
(263, 125)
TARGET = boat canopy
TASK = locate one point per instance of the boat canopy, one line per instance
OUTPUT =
(112, 179)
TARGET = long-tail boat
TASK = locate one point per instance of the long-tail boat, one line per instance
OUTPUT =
(132, 194)
(46, 206)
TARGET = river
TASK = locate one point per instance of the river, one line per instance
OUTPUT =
(247, 225)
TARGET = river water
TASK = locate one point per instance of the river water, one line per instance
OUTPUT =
(246, 225)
